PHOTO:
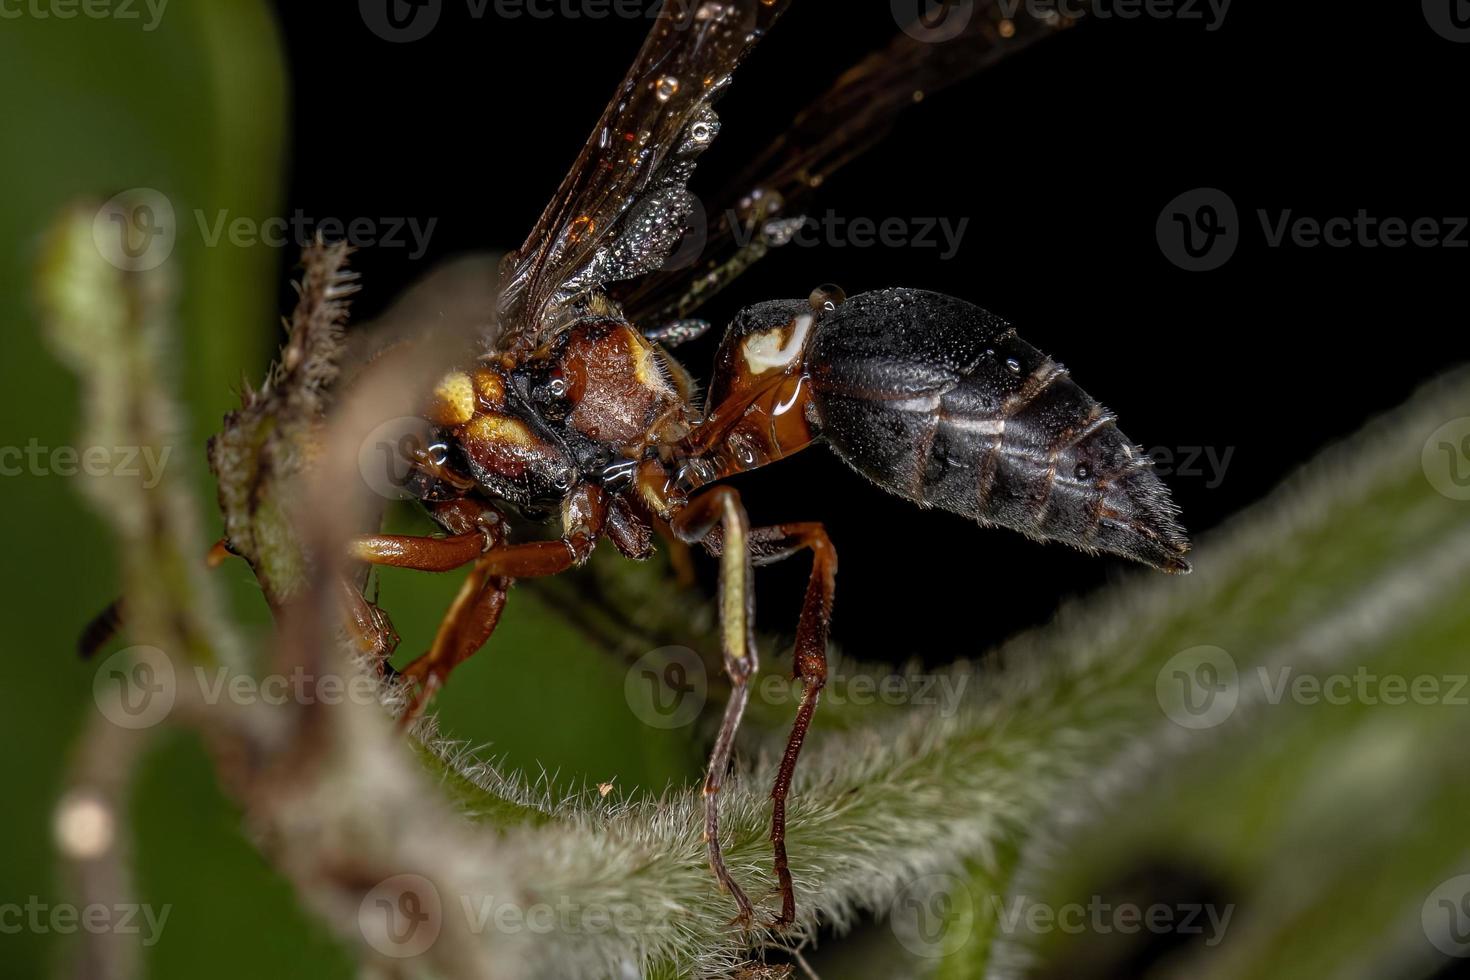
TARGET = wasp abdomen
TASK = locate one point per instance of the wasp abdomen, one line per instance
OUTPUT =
(940, 402)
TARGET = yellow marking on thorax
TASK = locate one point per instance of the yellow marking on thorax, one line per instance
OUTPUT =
(645, 367)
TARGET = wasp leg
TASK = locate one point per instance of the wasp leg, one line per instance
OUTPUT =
(465, 628)
(418, 552)
(370, 625)
(771, 544)
(676, 332)
(476, 609)
(721, 507)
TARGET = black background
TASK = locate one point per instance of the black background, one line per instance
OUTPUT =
(1062, 159)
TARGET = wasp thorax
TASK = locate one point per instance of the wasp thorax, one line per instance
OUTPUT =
(608, 384)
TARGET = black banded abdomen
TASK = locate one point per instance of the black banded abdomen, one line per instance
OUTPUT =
(939, 401)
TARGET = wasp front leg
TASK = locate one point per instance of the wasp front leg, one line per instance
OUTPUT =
(768, 545)
(476, 609)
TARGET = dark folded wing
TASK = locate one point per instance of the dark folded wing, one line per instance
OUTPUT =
(623, 205)
(854, 113)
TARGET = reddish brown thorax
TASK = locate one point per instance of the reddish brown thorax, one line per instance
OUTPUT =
(599, 400)
(616, 387)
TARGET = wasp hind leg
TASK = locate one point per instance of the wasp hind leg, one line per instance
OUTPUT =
(719, 520)
(721, 508)
(810, 660)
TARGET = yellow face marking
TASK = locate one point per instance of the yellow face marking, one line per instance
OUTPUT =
(453, 401)
(502, 429)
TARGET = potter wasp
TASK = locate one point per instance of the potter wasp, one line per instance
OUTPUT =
(575, 412)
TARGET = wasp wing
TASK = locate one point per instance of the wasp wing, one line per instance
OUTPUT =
(623, 206)
(853, 114)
